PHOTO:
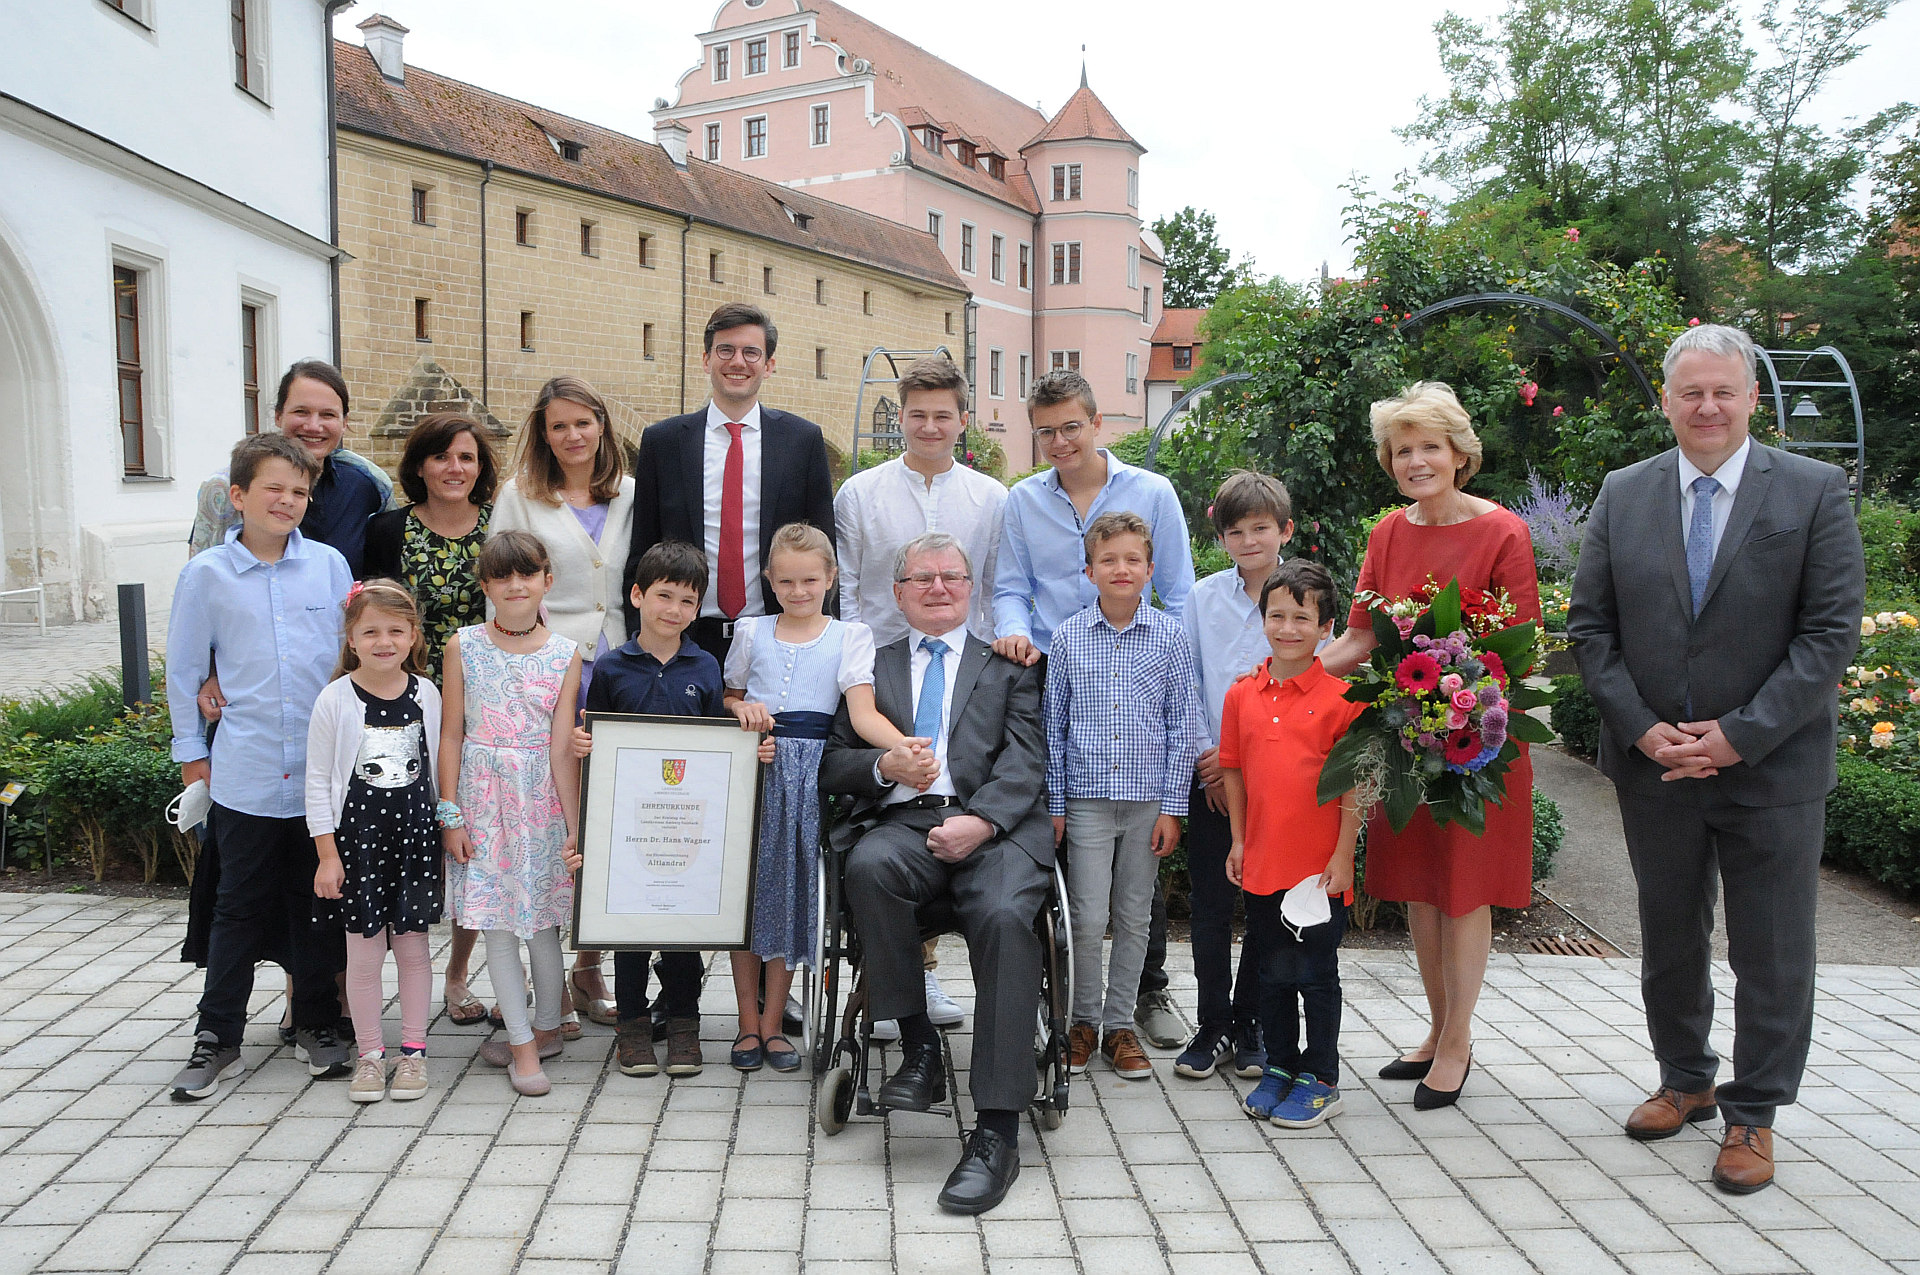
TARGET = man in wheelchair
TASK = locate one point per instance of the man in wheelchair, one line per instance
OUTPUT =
(959, 809)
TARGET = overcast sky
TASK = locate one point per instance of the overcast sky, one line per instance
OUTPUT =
(1252, 109)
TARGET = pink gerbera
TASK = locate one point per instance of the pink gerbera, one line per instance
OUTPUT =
(1417, 672)
(1462, 747)
(1496, 667)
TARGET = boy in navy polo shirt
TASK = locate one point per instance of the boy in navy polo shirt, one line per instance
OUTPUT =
(659, 670)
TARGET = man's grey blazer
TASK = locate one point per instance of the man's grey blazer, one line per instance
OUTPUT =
(1779, 621)
(996, 746)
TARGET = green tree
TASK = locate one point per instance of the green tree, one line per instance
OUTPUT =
(1199, 266)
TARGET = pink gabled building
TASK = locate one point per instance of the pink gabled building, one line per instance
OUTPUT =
(1040, 217)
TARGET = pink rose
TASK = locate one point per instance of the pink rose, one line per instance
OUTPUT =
(1464, 701)
(1451, 683)
(1456, 720)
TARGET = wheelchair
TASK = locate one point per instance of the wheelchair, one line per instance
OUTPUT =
(839, 1040)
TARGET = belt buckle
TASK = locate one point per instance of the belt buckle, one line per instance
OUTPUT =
(726, 628)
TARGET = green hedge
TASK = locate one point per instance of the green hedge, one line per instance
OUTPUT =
(1873, 823)
(1576, 718)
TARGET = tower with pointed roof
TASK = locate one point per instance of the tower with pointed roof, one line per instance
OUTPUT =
(1038, 216)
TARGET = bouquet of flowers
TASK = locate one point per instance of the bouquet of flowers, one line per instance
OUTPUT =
(1446, 708)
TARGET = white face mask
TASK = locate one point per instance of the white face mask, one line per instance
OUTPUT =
(1306, 905)
(190, 808)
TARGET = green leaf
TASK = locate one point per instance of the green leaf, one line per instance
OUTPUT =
(1337, 774)
(1528, 729)
(1523, 697)
(1445, 609)
(1512, 645)
(1386, 633)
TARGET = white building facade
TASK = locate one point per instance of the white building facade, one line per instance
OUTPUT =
(165, 251)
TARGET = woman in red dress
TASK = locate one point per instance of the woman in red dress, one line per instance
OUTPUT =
(1449, 879)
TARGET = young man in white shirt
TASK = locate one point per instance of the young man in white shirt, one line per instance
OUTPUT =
(880, 509)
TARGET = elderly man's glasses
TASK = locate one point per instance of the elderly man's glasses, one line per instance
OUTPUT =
(746, 353)
(925, 579)
(1065, 433)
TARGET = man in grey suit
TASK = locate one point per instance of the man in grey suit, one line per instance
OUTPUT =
(960, 809)
(1715, 607)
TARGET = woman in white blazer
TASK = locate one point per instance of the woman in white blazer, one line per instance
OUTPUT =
(570, 488)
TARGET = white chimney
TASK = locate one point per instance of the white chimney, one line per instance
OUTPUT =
(383, 37)
(672, 137)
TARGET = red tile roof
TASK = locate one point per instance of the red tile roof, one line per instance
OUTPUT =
(1176, 327)
(446, 115)
(1084, 116)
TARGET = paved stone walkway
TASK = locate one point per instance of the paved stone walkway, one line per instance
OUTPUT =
(67, 653)
(100, 1172)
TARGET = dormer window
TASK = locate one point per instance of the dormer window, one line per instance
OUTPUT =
(963, 151)
(993, 166)
(568, 150)
(1182, 357)
(929, 137)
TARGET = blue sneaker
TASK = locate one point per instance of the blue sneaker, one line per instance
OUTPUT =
(1208, 1049)
(1308, 1103)
(1268, 1094)
(1249, 1050)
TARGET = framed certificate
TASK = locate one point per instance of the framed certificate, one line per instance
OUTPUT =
(669, 831)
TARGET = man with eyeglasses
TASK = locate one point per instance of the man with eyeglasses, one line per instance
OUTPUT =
(730, 475)
(1039, 582)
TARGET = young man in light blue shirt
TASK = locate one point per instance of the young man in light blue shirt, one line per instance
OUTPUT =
(1039, 582)
(266, 604)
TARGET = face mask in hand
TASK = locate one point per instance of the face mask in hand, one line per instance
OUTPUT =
(189, 810)
(1306, 905)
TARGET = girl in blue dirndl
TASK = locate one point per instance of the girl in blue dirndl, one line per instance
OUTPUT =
(785, 676)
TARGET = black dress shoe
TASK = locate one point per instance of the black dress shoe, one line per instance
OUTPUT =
(985, 1172)
(1426, 1098)
(920, 1082)
(1406, 1069)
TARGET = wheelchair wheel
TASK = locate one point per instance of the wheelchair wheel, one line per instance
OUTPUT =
(836, 1100)
(1047, 1117)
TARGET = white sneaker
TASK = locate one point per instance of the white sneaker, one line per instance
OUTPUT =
(886, 1030)
(942, 1009)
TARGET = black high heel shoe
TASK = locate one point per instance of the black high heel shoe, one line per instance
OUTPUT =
(1407, 1069)
(1426, 1098)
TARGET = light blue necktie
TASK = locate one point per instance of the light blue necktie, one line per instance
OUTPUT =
(1700, 538)
(933, 690)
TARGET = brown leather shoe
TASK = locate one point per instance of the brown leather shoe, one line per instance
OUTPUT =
(1082, 1041)
(683, 1047)
(1745, 1163)
(1668, 1111)
(1122, 1050)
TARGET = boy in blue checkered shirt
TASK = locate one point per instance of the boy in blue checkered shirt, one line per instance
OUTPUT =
(1122, 736)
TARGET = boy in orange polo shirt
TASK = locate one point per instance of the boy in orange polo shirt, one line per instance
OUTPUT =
(1276, 729)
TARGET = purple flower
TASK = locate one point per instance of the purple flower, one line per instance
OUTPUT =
(1490, 695)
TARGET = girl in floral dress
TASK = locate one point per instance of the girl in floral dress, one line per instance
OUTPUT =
(510, 833)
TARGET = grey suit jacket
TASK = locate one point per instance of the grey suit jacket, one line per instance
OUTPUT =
(996, 746)
(1779, 621)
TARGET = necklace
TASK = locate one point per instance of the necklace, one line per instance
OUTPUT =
(515, 632)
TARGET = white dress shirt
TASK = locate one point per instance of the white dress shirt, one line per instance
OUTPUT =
(882, 508)
(919, 660)
(714, 471)
(1728, 476)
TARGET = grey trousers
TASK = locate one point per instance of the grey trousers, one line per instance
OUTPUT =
(1111, 879)
(1766, 860)
(998, 891)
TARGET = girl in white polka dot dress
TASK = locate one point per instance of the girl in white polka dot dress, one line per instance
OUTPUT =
(371, 747)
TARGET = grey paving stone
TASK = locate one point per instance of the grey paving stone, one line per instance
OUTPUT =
(1380, 1245)
(186, 1259)
(383, 1252)
(112, 1241)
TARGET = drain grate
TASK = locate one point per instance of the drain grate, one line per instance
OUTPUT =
(1560, 945)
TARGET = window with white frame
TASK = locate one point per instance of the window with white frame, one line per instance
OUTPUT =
(257, 334)
(1133, 373)
(1065, 360)
(1146, 303)
(757, 56)
(1133, 188)
(997, 258)
(1026, 373)
(140, 11)
(790, 50)
(1066, 262)
(1133, 267)
(995, 387)
(1026, 270)
(753, 142)
(1066, 182)
(966, 248)
(247, 20)
(139, 363)
(713, 143)
(822, 124)
(937, 227)
(722, 62)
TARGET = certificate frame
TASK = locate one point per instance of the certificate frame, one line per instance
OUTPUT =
(640, 886)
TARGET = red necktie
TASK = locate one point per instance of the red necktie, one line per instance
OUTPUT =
(733, 579)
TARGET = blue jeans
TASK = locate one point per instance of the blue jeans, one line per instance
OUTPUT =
(1298, 971)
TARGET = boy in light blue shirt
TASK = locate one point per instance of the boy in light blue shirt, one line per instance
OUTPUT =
(266, 604)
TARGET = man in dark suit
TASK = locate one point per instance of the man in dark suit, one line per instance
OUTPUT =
(959, 808)
(1715, 607)
(730, 475)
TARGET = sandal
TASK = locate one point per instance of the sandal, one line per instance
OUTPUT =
(463, 1007)
(596, 1008)
(747, 1059)
(787, 1059)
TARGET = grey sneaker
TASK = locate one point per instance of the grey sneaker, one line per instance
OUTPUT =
(322, 1050)
(409, 1078)
(1159, 1021)
(369, 1083)
(210, 1064)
